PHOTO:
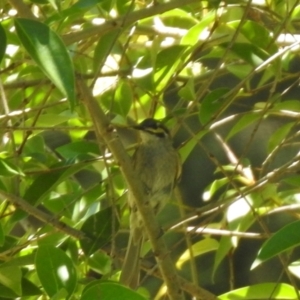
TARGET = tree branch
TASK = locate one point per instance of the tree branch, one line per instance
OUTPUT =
(42, 216)
(104, 132)
(125, 20)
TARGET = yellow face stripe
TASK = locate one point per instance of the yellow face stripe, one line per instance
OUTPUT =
(157, 130)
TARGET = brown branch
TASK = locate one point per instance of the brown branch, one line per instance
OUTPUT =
(125, 21)
(42, 216)
(104, 132)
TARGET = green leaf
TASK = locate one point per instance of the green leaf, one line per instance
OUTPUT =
(7, 168)
(225, 245)
(290, 105)
(167, 62)
(29, 289)
(242, 123)
(240, 71)
(123, 98)
(3, 43)
(10, 276)
(50, 54)
(55, 270)
(82, 5)
(211, 104)
(188, 147)
(283, 240)
(193, 34)
(99, 227)
(187, 92)
(74, 149)
(249, 53)
(214, 187)
(100, 262)
(293, 180)
(104, 48)
(178, 18)
(256, 34)
(279, 135)
(109, 291)
(45, 183)
(262, 292)
(48, 120)
(199, 248)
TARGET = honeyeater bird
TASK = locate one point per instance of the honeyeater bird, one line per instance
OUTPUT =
(158, 166)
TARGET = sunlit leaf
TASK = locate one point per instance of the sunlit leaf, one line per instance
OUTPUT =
(262, 291)
(193, 34)
(283, 240)
(55, 270)
(290, 105)
(8, 168)
(167, 62)
(10, 276)
(123, 98)
(199, 248)
(50, 54)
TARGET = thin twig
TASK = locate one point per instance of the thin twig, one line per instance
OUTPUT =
(42, 216)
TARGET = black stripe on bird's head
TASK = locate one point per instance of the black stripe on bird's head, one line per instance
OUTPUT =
(154, 127)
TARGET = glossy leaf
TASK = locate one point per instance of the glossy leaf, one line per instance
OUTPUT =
(7, 168)
(199, 248)
(261, 292)
(250, 53)
(213, 188)
(290, 105)
(256, 34)
(193, 34)
(167, 62)
(283, 240)
(55, 270)
(50, 54)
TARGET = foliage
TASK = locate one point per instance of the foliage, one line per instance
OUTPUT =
(223, 77)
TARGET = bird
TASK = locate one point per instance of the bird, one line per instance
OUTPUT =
(158, 166)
